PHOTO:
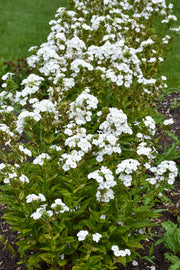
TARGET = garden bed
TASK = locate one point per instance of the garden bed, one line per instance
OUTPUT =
(8, 260)
(88, 175)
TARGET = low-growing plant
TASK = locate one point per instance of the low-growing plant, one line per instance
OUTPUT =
(80, 172)
(171, 239)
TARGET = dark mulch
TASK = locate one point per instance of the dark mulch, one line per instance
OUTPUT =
(8, 261)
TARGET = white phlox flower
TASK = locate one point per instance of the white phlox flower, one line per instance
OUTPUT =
(168, 122)
(58, 202)
(116, 123)
(105, 179)
(41, 158)
(150, 124)
(110, 130)
(56, 147)
(40, 211)
(166, 170)
(10, 175)
(33, 197)
(82, 235)
(80, 63)
(120, 253)
(80, 109)
(32, 83)
(4, 128)
(23, 178)
(96, 237)
(7, 76)
(142, 149)
(71, 159)
(25, 151)
(44, 105)
(2, 166)
(127, 166)
(22, 118)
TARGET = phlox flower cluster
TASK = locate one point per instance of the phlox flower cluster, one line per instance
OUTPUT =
(44, 105)
(6, 77)
(21, 120)
(166, 170)
(5, 108)
(145, 150)
(2, 166)
(6, 134)
(168, 122)
(105, 179)
(33, 197)
(23, 178)
(55, 147)
(125, 169)
(118, 252)
(80, 109)
(41, 158)
(123, 62)
(109, 133)
(106, 141)
(4, 128)
(11, 173)
(83, 233)
(61, 205)
(25, 150)
(40, 211)
(57, 207)
(32, 84)
(96, 237)
(150, 124)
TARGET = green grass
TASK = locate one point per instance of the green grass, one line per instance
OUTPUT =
(171, 66)
(24, 23)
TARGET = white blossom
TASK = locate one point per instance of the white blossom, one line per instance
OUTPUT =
(33, 197)
(168, 122)
(23, 178)
(40, 211)
(96, 237)
(58, 202)
(82, 235)
(41, 158)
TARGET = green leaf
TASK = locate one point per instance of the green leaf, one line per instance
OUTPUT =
(169, 226)
(174, 260)
(171, 258)
(47, 257)
(21, 195)
(112, 228)
(134, 244)
(93, 261)
(175, 266)
(61, 262)
(34, 260)
(122, 260)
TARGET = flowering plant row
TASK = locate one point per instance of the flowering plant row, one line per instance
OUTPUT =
(80, 169)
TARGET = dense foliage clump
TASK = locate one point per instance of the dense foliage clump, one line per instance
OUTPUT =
(80, 168)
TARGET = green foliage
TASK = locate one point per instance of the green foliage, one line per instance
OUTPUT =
(175, 261)
(171, 240)
(171, 237)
